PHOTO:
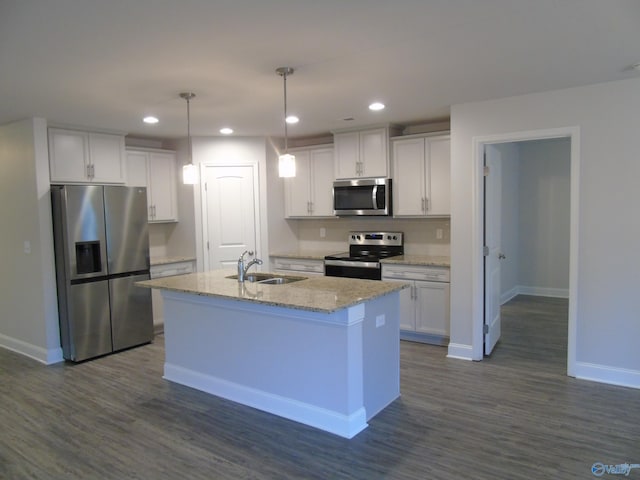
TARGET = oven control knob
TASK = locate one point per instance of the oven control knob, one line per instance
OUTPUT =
(395, 238)
(353, 237)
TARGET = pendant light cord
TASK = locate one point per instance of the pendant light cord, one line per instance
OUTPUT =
(286, 145)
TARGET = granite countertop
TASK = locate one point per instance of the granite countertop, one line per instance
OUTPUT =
(424, 260)
(307, 254)
(317, 294)
(167, 260)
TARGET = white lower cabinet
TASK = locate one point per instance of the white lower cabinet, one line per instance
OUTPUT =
(299, 266)
(155, 170)
(424, 306)
(166, 270)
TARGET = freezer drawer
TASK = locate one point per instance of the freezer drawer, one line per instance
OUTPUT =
(131, 313)
(85, 328)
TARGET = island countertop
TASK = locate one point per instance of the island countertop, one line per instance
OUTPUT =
(317, 294)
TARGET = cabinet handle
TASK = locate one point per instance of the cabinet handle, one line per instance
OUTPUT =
(150, 211)
(310, 207)
(426, 204)
(424, 208)
(93, 170)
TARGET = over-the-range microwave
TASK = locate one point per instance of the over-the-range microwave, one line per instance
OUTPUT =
(362, 196)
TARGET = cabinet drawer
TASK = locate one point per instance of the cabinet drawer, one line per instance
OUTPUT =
(298, 265)
(171, 269)
(412, 272)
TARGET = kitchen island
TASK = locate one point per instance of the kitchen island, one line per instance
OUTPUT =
(322, 351)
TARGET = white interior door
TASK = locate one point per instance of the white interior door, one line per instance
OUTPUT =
(231, 216)
(493, 254)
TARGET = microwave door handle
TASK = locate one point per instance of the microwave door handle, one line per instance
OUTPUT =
(374, 196)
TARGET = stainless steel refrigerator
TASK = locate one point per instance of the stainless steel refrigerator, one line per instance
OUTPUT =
(101, 249)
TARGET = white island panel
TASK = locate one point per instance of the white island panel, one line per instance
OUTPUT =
(333, 371)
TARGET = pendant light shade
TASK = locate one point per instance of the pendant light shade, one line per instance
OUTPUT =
(286, 161)
(189, 171)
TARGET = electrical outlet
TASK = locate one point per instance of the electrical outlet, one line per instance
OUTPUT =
(27, 247)
(380, 320)
(439, 233)
(323, 232)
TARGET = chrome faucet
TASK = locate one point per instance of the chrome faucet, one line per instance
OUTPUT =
(242, 269)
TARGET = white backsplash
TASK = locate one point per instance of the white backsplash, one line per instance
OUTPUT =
(420, 235)
(158, 236)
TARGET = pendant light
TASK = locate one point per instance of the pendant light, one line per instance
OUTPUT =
(189, 171)
(286, 161)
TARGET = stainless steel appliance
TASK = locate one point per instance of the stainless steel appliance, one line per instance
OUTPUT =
(366, 249)
(362, 196)
(101, 249)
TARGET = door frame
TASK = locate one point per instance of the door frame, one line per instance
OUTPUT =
(203, 238)
(573, 133)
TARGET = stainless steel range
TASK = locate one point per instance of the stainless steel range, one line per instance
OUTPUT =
(366, 249)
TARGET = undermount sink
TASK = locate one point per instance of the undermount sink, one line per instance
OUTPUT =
(268, 278)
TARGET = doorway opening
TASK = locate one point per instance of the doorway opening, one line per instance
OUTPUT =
(528, 222)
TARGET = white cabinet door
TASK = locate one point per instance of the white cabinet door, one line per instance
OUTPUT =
(362, 154)
(374, 153)
(347, 154)
(409, 165)
(407, 306)
(106, 155)
(422, 176)
(432, 308)
(137, 170)
(298, 188)
(163, 187)
(68, 155)
(81, 157)
(439, 156)
(157, 172)
(309, 193)
(322, 182)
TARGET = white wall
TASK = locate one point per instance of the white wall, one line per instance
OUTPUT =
(535, 217)
(607, 117)
(544, 191)
(510, 216)
(29, 317)
(231, 151)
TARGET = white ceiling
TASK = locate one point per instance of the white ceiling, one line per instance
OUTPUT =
(105, 64)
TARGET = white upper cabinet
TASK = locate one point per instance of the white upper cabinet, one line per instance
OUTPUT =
(422, 176)
(155, 170)
(363, 153)
(86, 157)
(309, 193)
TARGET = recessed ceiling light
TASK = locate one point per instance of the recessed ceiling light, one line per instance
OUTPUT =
(226, 131)
(150, 119)
(375, 106)
(291, 119)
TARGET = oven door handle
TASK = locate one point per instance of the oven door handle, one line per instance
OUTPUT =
(348, 263)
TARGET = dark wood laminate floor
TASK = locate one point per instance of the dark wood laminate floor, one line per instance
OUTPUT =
(515, 415)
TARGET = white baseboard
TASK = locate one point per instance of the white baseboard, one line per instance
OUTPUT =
(42, 355)
(346, 426)
(506, 296)
(534, 291)
(611, 375)
(460, 351)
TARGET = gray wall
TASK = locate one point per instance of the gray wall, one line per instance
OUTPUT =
(606, 118)
(535, 213)
(29, 315)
